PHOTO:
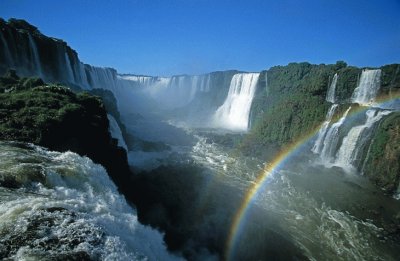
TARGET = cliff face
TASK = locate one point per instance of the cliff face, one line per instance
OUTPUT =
(25, 49)
(382, 163)
(201, 107)
(31, 53)
(293, 102)
(54, 117)
(290, 101)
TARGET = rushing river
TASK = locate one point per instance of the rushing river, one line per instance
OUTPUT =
(61, 206)
(325, 212)
(321, 213)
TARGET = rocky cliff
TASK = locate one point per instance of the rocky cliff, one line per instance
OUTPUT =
(290, 102)
(55, 117)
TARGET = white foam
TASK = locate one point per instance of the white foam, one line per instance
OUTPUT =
(81, 187)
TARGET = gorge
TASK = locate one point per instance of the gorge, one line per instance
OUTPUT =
(297, 162)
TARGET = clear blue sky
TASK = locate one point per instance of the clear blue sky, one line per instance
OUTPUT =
(196, 36)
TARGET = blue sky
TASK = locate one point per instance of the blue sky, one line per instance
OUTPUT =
(197, 36)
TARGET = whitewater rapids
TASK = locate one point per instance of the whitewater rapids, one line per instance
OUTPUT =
(63, 206)
(309, 205)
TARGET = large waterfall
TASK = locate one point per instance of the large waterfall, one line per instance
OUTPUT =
(67, 208)
(368, 87)
(323, 130)
(331, 139)
(321, 143)
(234, 113)
(197, 97)
(35, 56)
(171, 92)
(347, 153)
(330, 95)
(351, 144)
(68, 66)
(6, 51)
(116, 132)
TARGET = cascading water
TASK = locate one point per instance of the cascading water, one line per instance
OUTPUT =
(330, 96)
(365, 92)
(234, 113)
(102, 77)
(142, 81)
(397, 195)
(167, 92)
(348, 152)
(67, 208)
(116, 132)
(6, 50)
(173, 92)
(83, 75)
(35, 56)
(323, 130)
(331, 140)
(68, 66)
(352, 143)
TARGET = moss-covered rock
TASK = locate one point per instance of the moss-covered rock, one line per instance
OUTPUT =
(111, 105)
(291, 104)
(346, 83)
(390, 81)
(55, 117)
(290, 100)
(383, 162)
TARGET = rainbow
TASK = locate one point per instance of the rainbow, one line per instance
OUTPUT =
(239, 219)
(278, 162)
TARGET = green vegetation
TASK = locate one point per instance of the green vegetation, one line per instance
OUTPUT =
(48, 115)
(390, 81)
(22, 25)
(55, 117)
(11, 82)
(291, 102)
(382, 165)
(347, 82)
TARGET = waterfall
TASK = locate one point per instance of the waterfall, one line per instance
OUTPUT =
(35, 56)
(84, 77)
(331, 139)
(205, 83)
(6, 50)
(352, 143)
(348, 152)
(194, 86)
(324, 128)
(104, 78)
(68, 66)
(73, 207)
(75, 63)
(79, 71)
(365, 92)
(234, 112)
(172, 92)
(116, 132)
(397, 194)
(330, 96)
(143, 81)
